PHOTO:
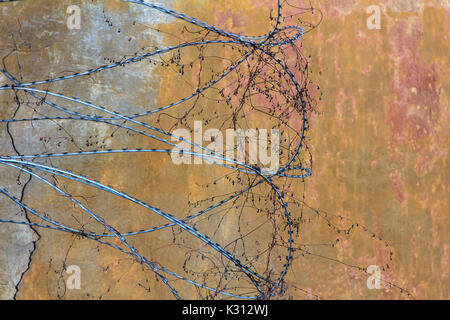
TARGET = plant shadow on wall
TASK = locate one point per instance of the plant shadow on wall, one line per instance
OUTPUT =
(186, 211)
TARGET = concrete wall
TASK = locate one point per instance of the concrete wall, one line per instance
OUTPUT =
(378, 139)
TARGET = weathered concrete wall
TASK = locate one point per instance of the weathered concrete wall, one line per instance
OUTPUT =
(379, 142)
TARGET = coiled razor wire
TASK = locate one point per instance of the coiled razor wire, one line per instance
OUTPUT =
(269, 50)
